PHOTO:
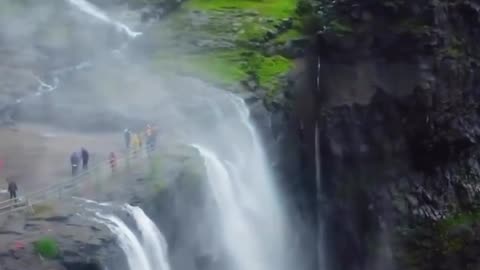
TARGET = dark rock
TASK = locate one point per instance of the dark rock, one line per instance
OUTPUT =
(396, 109)
(57, 219)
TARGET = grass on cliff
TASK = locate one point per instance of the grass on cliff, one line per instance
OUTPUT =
(460, 219)
(271, 8)
(47, 247)
(229, 67)
(43, 209)
(288, 35)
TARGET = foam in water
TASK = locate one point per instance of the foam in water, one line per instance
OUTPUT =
(251, 217)
(146, 253)
(91, 9)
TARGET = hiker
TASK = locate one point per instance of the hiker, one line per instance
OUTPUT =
(127, 136)
(113, 160)
(12, 189)
(149, 137)
(75, 162)
(85, 157)
(135, 143)
(140, 139)
(153, 139)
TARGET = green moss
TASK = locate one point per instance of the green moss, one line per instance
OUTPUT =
(455, 50)
(451, 240)
(269, 69)
(449, 223)
(271, 8)
(288, 35)
(228, 67)
(47, 247)
(223, 67)
(43, 208)
(253, 31)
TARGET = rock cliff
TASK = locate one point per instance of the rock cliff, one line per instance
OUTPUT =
(393, 88)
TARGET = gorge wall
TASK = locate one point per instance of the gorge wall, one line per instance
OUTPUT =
(396, 103)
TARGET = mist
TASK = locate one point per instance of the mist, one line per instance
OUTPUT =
(93, 72)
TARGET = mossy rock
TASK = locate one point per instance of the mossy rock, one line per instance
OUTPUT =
(47, 247)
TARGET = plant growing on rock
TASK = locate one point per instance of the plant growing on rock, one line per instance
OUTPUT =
(47, 247)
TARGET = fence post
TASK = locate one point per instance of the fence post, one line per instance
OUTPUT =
(29, 205)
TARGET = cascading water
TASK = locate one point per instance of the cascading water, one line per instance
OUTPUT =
(91, 9)
(153, 241)
(321, 258)
(149, 252)
(253, 222)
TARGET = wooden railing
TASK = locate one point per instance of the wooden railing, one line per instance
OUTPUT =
(64, 188)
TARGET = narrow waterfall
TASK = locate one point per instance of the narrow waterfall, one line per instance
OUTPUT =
(148, 252)
(91, 9)
(321, 258)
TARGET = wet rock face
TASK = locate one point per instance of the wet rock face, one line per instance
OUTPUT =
(396, 102)
(82, 266)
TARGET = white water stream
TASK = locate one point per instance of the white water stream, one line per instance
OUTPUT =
(145, 252)
(92, 10)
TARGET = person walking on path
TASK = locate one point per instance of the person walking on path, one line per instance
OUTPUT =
(85, 157)
(75, 162)
(148, 138)
(12, 189)
(127, 135)
(113, 161)
(135, 143)
(153, 139)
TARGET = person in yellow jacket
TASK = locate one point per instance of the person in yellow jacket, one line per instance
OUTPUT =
(135, 143)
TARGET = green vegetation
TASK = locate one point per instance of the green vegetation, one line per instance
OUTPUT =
(43, 208)
(225, 42)
(289, 35)
(456, 49)
(268, 69)
(461, 219)
(47, 247)
(230, 66)
(254, 31)
(220, 67)
(267, 8)
(452, 231)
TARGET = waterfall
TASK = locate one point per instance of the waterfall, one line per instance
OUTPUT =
(252, 221)
(153, 240)
(320, 224)
(321, 258)
(91, 9)
(147, 252)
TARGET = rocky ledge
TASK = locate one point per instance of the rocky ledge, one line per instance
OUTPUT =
(65, 235)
